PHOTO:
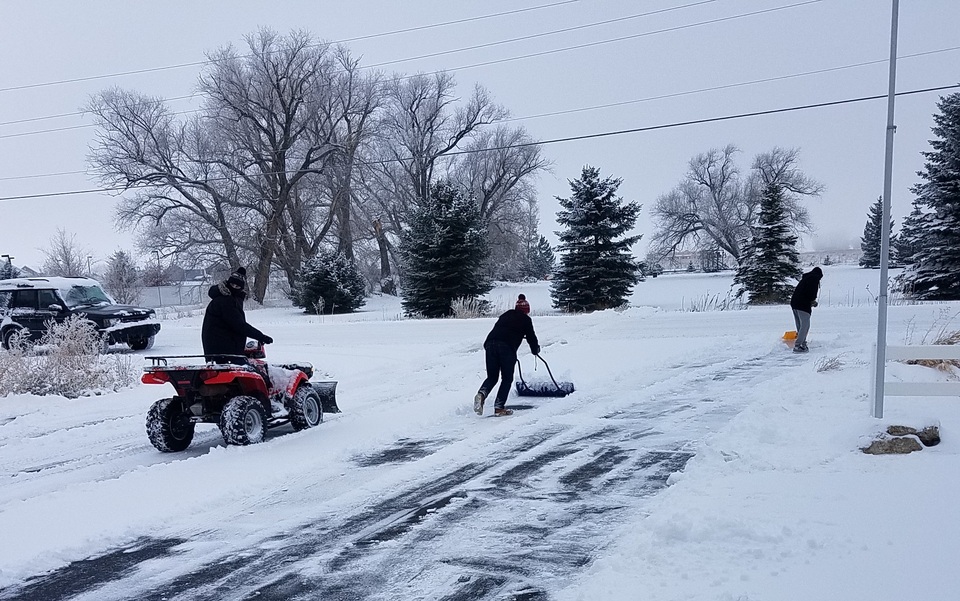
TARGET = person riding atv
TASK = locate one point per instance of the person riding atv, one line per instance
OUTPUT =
(225, 328)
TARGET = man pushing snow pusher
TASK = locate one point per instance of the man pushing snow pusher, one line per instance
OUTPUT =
(500, 349)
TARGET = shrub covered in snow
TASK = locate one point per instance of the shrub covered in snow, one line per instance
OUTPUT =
(69, 361)
(329, 283)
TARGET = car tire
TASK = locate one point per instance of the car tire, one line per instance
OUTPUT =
(7, 336)
(305, 409)
(142, 344)
(243, 421)
(168, 427)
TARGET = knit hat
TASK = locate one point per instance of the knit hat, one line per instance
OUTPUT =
(238, 279)
(522, 304)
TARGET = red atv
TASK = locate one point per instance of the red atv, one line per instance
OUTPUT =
(244, 398)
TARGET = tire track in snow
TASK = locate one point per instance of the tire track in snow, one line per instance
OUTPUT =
(539, 513)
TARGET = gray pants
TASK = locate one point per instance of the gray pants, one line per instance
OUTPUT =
(803, 327)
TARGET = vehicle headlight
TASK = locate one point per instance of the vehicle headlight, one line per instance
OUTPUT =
(109, 323)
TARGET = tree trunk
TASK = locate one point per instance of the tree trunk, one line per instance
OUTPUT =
(386, 280)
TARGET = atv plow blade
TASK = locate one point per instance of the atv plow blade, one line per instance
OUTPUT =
(327, 391)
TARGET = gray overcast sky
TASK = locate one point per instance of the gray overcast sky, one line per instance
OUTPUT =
(706, 44)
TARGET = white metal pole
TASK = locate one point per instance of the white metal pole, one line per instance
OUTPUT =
(885, 220)
(160, 276)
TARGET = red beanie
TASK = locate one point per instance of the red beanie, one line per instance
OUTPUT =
(522, 304)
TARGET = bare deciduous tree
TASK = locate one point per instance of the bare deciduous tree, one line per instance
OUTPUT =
(715, 205)
(182, 201)
(420, 128)
(225, 181)
(270, 109)
(499, 167)
(64, 257)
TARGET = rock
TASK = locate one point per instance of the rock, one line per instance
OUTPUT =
(900, 430)
(894, 445)
(929, 436)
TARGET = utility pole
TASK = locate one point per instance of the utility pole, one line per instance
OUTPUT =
(159, 277)
(881, 357)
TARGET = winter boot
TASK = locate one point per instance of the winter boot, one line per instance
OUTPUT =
(478, 402)
(800, 348)
(502, 412)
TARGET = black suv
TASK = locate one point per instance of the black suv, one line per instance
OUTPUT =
(28, 304)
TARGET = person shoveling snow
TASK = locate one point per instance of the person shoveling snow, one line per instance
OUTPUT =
(500, 349)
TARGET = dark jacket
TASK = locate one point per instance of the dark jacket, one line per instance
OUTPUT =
(225, 328)
(511, 328)
(806, 291)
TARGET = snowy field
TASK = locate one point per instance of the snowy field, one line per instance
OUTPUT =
(698, 459)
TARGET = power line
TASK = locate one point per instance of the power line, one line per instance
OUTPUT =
(540, 35)
(634, 36)
(707, 120)
(499, 61)
(571, 138)
(727, 86)
(556, 113)
(358, 38)
(463, 67)
(401, 60)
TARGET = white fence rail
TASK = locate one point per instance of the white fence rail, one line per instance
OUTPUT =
(929, 351)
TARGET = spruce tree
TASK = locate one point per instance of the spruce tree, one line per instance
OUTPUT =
(329, 283)
(540, 261)
(910, 238)
(770, 259)
(122, 278)
(870, 241)
(597, 269)
(443, 253)
(935, 271)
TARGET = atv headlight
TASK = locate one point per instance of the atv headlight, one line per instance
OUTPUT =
(109, 323)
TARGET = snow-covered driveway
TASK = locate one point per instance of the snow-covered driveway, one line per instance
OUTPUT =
(405, 495)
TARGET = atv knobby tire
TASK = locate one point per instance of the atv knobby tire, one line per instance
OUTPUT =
(305, 409)
(243, 421)
(168, 427)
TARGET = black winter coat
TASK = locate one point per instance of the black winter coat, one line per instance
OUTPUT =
(511, 328)
(807, 290)
(225, 328)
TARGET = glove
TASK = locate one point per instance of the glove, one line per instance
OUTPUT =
(535, 349)
(814, 304)
(266, 340)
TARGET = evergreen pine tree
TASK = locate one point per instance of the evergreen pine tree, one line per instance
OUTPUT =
(770, 258)
(935, 271)
(444, 253)
(540, 260)
(597, 269)
(122, 279)
(329, 283)
(910, 238)
(870, 241)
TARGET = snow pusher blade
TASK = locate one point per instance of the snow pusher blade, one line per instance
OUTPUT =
(327, 391)
(544, 389)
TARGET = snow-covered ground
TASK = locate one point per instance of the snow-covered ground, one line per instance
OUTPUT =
(698, 459)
